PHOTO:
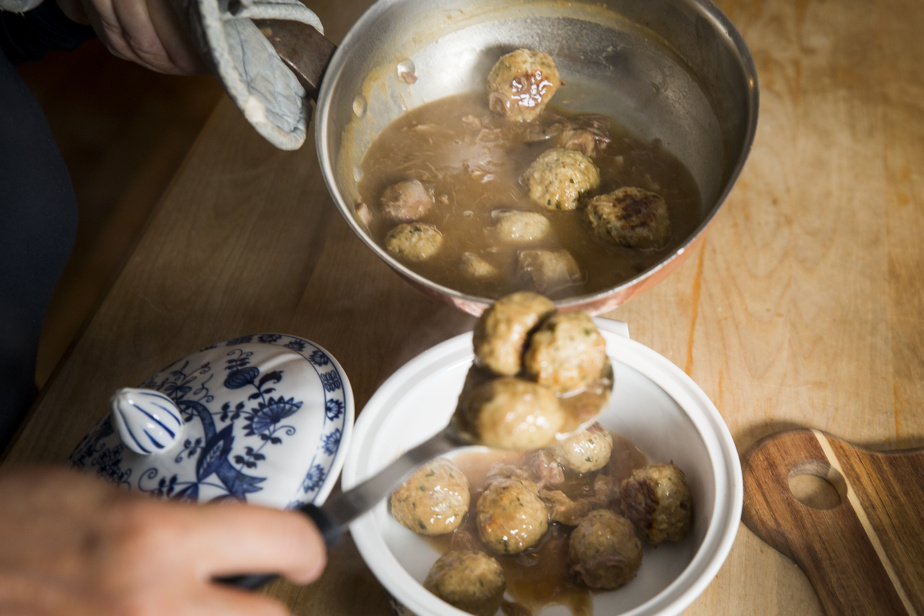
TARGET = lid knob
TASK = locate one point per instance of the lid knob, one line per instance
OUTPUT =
(148, 422)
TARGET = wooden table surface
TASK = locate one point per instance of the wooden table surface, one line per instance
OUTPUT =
(804, 306)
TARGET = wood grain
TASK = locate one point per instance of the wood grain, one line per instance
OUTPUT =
(865, 555)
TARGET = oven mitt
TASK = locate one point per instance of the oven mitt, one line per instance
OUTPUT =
(256, 79)
(18, 6)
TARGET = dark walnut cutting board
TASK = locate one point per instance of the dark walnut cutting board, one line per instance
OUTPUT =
(862, 544)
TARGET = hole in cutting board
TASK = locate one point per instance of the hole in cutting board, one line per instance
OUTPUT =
(816, 484)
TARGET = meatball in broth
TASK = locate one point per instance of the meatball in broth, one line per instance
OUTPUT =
(510, 516)
(547, 271)
(521, 84)
(434, 500)
(630, 217)
(469, 580)
(658, 502)
(559, 178)
(477, 268)
(586, 451)
(414, 241)
(604, 551)
(520, 227)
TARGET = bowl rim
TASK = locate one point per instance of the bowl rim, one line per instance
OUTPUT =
(705, 417)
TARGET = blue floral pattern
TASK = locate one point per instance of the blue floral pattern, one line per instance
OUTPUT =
(246, 424)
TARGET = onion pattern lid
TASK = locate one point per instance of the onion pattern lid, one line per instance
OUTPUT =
(265, 419)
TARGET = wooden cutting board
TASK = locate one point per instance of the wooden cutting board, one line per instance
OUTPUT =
(857, 526)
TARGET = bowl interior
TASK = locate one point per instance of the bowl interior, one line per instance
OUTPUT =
(672, 70)
(654, 405)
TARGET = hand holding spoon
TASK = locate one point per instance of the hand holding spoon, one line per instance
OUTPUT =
(526, 411)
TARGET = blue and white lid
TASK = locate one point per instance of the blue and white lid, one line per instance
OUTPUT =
(264, 419)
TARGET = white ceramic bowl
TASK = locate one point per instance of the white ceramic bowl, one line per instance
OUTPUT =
(654, 404)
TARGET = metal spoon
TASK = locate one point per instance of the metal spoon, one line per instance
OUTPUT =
(333, 517)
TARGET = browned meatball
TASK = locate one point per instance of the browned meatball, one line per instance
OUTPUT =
(558, 178)
(503, 329)
(434, 500)
(414, 241)
(521, 84)
(585, 451)
(566, 353)
(406, 201)
(545, 271)
(511, 413)
(469, 580)
(657, 500)
(604, 551)
(510, 516)
(631, 217)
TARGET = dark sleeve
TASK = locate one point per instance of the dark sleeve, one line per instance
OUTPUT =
(38, 226)
(27, 36)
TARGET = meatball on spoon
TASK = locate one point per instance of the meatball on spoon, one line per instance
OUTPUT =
(513, 410)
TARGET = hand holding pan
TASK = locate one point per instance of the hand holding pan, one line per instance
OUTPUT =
(269, 56)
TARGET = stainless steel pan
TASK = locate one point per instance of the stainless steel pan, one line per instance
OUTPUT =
(674, 70)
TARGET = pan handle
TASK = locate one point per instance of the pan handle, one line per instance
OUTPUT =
(267, 82)
(302, 48)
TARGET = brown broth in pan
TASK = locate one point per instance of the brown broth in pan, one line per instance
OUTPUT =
(473, 160)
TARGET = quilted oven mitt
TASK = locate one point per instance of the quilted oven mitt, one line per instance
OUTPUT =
(19, 6)
(261, 85)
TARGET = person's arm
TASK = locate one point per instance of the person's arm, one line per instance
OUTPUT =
(75, 545)
(147, 32)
